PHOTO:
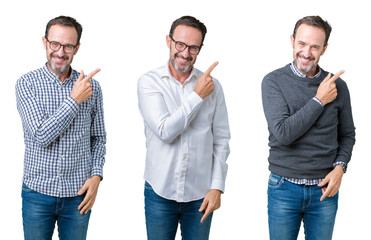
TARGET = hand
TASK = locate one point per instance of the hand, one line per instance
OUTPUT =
(211, 203)
(205, 85)
(91, 188)
(82, 89)
(327, 91)
(333, 181)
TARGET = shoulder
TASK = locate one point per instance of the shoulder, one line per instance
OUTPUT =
(152, 77)
(277, 78)
(30, 77)
(277, 74)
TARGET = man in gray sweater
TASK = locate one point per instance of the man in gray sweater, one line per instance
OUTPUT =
(311, 137)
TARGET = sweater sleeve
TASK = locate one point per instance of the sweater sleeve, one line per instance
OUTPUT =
(283, 125)
(346, 129)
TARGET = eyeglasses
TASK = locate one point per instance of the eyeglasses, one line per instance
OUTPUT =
(181, 46)
(55, 46)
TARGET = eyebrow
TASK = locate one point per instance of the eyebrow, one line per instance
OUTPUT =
(315, 45)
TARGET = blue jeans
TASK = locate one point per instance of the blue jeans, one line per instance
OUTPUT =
(163, 215)
(289, 204)
(40, 212)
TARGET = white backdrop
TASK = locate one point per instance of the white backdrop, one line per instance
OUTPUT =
(126, 39)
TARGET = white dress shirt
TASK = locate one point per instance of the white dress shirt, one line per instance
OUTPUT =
(187, 138)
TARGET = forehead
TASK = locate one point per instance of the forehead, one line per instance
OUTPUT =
(310, 34)
(188, 35)
(63, 34)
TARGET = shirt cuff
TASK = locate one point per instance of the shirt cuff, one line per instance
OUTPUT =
(343, 164)
(97, 172)
(317, 100)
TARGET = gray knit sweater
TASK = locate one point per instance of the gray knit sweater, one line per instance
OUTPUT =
(305, 138)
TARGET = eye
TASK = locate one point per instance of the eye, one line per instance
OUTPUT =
(181, 45)
(55, 44)
(69, 47)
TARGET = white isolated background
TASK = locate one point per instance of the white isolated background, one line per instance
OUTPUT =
(126, 39)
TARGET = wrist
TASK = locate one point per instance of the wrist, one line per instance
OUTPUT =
(341, 165)
(318, 100)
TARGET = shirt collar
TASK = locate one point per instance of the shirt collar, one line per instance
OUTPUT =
(299, 74)
(54, 77)
(167, 73)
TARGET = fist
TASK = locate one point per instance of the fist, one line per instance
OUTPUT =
(205, 85)
(82, 89)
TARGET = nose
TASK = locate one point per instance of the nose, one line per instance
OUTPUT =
(306, 51)
(185, 53)
(60, 52)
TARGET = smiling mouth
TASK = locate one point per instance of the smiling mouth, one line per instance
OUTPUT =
(306, 59)
(58, 58)
(183, 59)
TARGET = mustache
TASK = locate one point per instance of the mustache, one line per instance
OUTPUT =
(309, 58)
(180, 56)
(56, 55)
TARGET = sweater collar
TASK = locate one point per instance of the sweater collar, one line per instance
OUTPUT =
(299, 74)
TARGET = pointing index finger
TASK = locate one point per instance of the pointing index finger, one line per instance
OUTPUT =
(208, 71)
(92, 74)
(336, 76)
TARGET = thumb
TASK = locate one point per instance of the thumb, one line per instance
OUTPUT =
(203, 206)
(82, 190)
(324, 182)
(81, 76)
(327, 77)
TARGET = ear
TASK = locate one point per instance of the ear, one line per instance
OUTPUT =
(324, 50)
(200, 48)
(77, 49)
(44, 42)
(292, 38)
(168, 41)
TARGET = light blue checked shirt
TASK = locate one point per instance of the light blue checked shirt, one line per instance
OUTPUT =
(65, 142)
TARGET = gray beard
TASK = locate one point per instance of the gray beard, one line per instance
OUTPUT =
(175, 66)
(61, 70)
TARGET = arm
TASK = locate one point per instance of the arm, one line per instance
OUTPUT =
(98, 151)
(286, 128)
(346, 139)
(44, 129)
(221, 134)
(98, 135)
(154, 111)
(167, 126)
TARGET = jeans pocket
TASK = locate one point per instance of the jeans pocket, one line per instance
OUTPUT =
(26, 189)
(147, 186)
(275, 181)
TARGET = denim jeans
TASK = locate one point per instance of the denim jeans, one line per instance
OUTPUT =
(163, 215)
(289, 204)
(40, 212)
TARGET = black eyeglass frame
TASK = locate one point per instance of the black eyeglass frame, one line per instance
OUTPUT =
(197, 48)
(61, 45)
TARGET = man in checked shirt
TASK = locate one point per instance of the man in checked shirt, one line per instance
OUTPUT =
(62, 117)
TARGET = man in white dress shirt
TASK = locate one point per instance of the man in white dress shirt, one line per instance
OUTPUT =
(187, 138)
